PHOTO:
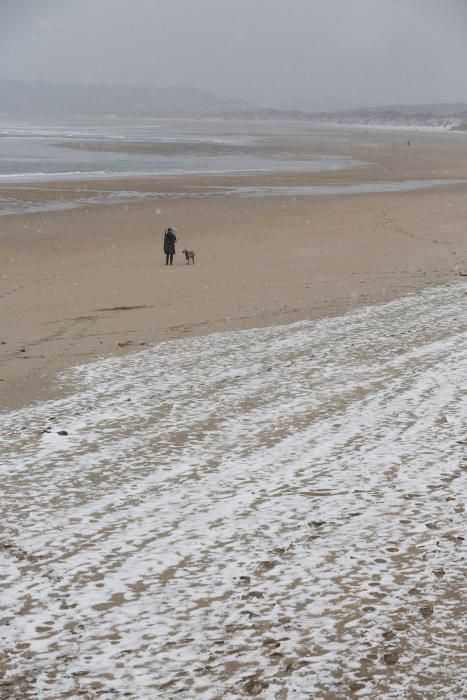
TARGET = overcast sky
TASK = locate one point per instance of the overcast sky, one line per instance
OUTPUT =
(309, 54)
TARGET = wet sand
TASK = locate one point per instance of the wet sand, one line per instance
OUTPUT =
(91, 282)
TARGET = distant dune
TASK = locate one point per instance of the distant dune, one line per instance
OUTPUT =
(449, 116)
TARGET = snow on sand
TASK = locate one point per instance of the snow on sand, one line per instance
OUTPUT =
(275, 513)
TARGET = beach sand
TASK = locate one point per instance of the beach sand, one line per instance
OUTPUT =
(256, 514)
(91, 282)
(244, 514)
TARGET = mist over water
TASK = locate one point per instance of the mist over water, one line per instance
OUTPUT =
(308, 54)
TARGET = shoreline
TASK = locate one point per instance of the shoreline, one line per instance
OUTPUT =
(307, 146)
(89, 283)
(105, 197)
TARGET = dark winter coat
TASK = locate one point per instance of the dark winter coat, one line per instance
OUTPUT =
(169, 243)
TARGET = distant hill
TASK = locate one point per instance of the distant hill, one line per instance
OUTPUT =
(19, 98)
(28, 98)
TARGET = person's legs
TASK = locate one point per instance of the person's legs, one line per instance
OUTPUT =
(171, 258)
(166, 258)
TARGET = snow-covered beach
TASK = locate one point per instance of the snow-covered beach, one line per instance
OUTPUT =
(275, 513)
(233, 358)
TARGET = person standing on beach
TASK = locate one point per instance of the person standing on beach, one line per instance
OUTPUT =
(169, 245)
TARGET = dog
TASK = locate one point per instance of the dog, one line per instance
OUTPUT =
(189, 255)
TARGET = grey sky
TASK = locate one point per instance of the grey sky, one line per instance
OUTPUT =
(311, 54)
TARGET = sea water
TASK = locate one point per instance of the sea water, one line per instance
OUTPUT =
(79, 150)
(38, 151)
